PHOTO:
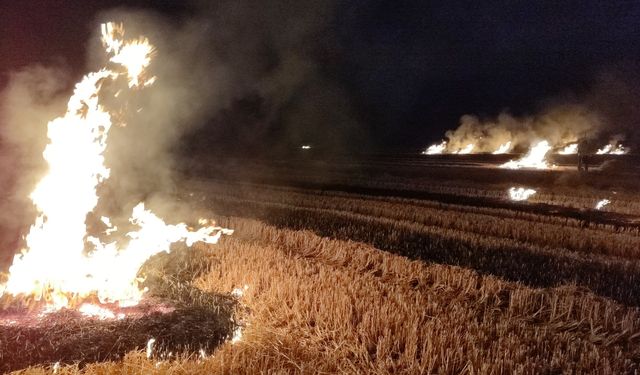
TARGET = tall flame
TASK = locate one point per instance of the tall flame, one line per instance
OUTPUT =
(54, 267)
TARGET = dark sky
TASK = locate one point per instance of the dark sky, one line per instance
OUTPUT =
(410, 68)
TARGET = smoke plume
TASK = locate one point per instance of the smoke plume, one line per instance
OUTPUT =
(224, 61)
(31, 98)
(607, 114)
(560, 125)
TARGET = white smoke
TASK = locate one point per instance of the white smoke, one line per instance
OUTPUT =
(559, 125)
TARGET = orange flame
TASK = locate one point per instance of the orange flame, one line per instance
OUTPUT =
(54, 267)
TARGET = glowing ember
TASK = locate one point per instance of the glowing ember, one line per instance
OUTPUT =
(520, 194)
(150, 347)
(569, 150)
(605, 150)
(54, 268)
(239, 292)
(612, 149)
(534, 159)
(466, 150)
(89, 309)
(237, 335)
(435, 149)
(602, 203)
(619, 150)
(503, 149)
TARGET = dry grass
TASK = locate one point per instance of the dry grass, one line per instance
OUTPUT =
(539, 266)
(510, 289)
(317, 305)
(68, 337)
(179, 317)
(564, 233)
(403, 178)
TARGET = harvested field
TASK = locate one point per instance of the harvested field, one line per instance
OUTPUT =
(319, 187)
(175, 316)
(326, 278)
(69, 337)
(317, 305)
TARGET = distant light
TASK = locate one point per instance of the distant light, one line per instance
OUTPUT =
(306, 147)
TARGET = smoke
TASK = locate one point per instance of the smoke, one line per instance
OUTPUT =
(616, 96)
(254, 74)
(189, 88)
(280, 55)
(608, 113)
(31, 98)
(559, 125)
(209, 64)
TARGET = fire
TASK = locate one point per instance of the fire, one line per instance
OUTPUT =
(134, 56)
(605, 150)
(435, 149)
(466, 150)
(503, 149)
(440, 148)
(150, 347)
(54, 267)
(237, 335)
(602, 203)
(569, 150)
(535, 158)
(520, 194)
(612, 149)
(99, 312)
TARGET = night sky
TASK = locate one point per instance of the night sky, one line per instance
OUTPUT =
(408, 69)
